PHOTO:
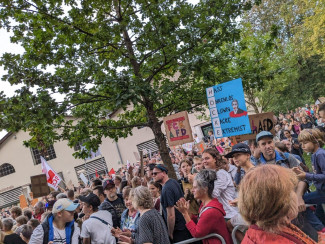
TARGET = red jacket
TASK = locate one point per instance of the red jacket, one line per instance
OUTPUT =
(211, 221)
(255, 235)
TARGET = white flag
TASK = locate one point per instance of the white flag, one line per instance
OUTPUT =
(53, 179)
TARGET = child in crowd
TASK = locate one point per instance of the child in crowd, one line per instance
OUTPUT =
(312, 142)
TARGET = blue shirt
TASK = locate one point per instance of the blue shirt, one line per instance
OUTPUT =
(280, 159)
(318, 160)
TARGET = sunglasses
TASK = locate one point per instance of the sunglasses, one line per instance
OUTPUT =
(155, 173)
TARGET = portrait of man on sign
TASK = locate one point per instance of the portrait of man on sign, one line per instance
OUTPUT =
(237, 112)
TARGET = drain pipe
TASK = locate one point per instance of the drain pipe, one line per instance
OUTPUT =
(119, 153)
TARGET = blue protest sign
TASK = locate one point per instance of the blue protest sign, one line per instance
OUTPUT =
(228, 109)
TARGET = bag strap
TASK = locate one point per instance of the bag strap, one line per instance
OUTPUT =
(203, 210)
(101, 220)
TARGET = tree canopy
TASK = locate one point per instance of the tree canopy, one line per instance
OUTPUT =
(145, 59)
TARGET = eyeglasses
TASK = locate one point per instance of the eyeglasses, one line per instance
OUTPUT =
(155, 173)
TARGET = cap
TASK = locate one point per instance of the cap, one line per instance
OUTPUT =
(64, 204)
(162, 168)
(108, 183)
(263, 134)
(91, 199)
(238, 148)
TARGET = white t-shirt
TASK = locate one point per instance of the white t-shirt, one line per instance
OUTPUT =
(98, 232)
(59, 235)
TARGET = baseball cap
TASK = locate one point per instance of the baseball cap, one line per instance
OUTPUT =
(64, 204)
(91, 199)
(108, 183)
(162, 168)
(263, 134)
(238, 148)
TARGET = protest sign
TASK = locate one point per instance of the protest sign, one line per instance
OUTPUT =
(84, 179)
(258, 122)
(200, 146)
(39, 186)
(228, 109)
(178, 129)
(188, 146)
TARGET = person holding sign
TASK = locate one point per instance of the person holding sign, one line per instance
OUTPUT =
(237, 112)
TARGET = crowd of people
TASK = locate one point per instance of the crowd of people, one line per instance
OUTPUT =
(260, 190)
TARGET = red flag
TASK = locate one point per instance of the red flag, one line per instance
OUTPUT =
(97, 175)
(111, 172)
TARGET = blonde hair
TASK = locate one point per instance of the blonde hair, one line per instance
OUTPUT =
(266, 197)
(141, 197)
(135, 181)
(312, 135)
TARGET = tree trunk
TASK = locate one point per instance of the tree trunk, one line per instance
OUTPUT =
(160, 140)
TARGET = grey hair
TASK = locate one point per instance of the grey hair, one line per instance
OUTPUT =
(7, 224)
(141, 198)
(39, 205)
(205, 179)
(235, 100)
(26, 231)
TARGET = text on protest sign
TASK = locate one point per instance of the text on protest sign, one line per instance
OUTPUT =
(228, 109)
(258, 122)
(178, 129)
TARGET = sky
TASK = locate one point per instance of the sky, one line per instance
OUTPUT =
(6, 46)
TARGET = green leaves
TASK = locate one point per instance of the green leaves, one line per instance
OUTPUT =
(140, 59)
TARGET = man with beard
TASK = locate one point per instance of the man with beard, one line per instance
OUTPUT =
(112, 200)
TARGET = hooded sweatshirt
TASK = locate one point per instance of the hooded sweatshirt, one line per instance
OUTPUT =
(289, 235)
(211, 220)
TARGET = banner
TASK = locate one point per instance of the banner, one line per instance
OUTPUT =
(53, 179)
(258, 122)
(92, 154)
(228, 109)
(178, 129)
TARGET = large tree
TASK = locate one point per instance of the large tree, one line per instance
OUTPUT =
(107, 56)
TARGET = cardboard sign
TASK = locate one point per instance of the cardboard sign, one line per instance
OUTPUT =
(258, 123)
(228, 109)
(188, 146)
(200, 146)
(178, 129)
(84, 179)
(39, 186)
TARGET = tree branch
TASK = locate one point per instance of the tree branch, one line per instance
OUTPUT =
(57, 18)
(110, 127)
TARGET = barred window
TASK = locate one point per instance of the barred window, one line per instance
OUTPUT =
(77, 146)
(49, 154)
(6, 169)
